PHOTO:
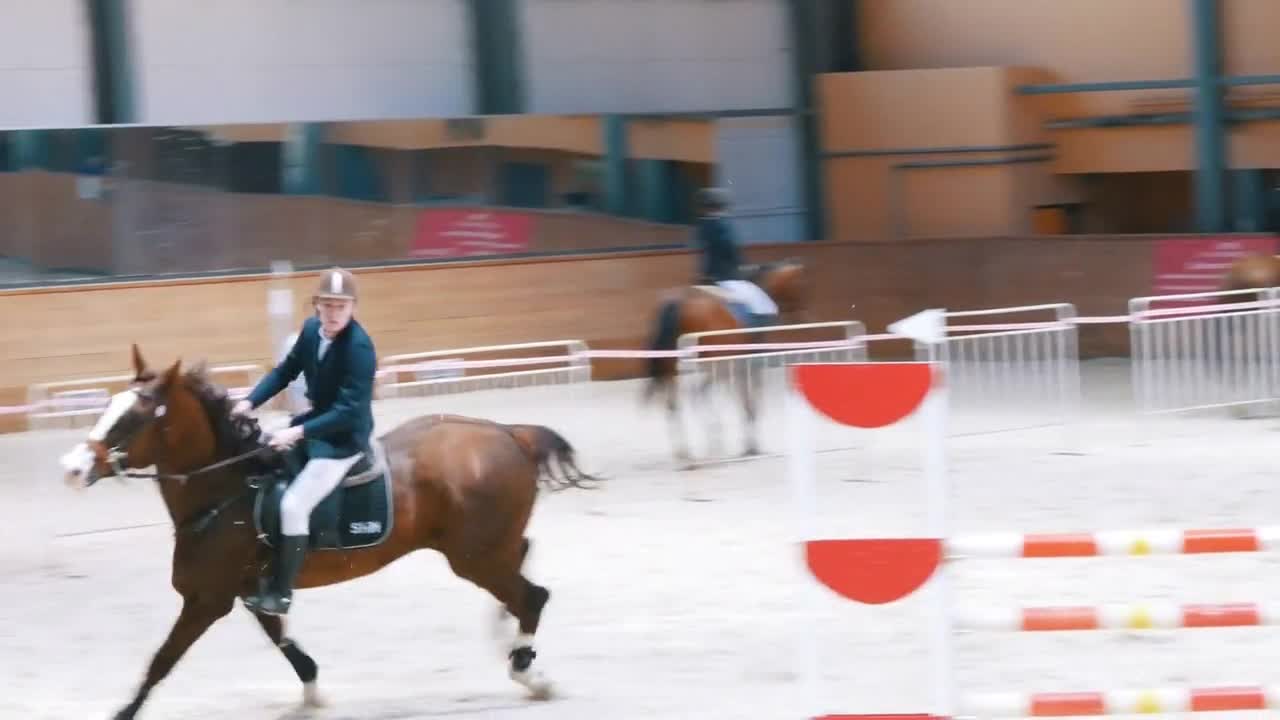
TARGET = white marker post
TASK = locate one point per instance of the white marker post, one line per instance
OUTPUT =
(802, 458)
(280, 303)
(929, 328)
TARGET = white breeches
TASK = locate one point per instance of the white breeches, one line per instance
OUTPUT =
(751, 294)
(318, 478)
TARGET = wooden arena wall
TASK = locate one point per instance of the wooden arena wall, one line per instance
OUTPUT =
(606, 300)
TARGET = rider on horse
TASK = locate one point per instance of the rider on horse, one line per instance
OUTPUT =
(721, 262)
(336, 356)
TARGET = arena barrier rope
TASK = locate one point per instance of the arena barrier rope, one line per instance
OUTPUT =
(585, 354)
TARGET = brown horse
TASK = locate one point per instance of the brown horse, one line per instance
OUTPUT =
(1253, 271)
(462, 486)
(700, 308)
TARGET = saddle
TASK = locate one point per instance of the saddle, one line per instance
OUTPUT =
(359, 513)
(717, 291)
(739, 309)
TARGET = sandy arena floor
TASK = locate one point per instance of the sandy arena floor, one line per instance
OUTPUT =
(675, 594)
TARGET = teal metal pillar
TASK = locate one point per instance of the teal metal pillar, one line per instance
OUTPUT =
(497, 56)
(112, 61)
(616, 194)
(808, 27)
(1210, 132)
(1249, 192)
(30, 149)
(660, 183)
(300, 167)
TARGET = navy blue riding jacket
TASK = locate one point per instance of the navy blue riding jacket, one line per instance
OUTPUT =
(339, 387)
(720, 258)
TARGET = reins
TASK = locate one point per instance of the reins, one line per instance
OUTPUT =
(183, 477)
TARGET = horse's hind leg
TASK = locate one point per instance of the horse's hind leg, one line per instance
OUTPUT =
(525, 600)
(531, 599)
(194, 619)
(499, 626)
(675, 424)
(715, 439)
(303, 665)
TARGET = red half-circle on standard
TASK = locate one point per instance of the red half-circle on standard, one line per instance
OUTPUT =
(873, 571)
(898, 716)
(864, 395)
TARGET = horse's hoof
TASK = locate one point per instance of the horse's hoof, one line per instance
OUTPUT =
(538, 685)
(311, 697)
(685, 461)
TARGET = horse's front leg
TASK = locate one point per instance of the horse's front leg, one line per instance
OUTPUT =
(303, 664)
(675, 425)
(198, 613)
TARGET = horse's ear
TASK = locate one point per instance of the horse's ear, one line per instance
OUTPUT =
(139, 365)
(200, 369)
(171, 375)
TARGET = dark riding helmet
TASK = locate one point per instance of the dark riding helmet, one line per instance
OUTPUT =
(713, 198)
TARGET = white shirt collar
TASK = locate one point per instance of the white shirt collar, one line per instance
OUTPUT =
(324, 344)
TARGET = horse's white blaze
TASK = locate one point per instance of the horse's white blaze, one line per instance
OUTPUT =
(76, 464)
(119, 405)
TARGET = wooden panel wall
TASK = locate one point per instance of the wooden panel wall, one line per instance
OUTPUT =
(606, 300)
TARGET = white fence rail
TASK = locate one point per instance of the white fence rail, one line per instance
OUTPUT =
(1019, 369)
(487, 367)
(714, 365)
(74, 403)
(1011, 368)
(1224, 353)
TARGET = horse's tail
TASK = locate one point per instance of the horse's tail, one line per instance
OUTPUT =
(661, 369)
(544, 445)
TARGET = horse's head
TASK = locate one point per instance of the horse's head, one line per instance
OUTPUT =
(788, 283)
(157, 419)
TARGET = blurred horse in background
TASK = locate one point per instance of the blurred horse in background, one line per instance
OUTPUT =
(701, 308)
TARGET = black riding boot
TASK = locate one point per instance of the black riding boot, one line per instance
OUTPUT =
(278, 593)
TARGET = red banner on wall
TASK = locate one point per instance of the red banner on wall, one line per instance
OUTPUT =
(1199, 264)
(468, 232)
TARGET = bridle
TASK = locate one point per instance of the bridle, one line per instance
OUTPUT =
(115, 455)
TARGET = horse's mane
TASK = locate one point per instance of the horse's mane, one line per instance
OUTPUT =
(232, 435)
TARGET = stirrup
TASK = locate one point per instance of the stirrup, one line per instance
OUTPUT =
(269, 603)
(275, 605)
(267, 599)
